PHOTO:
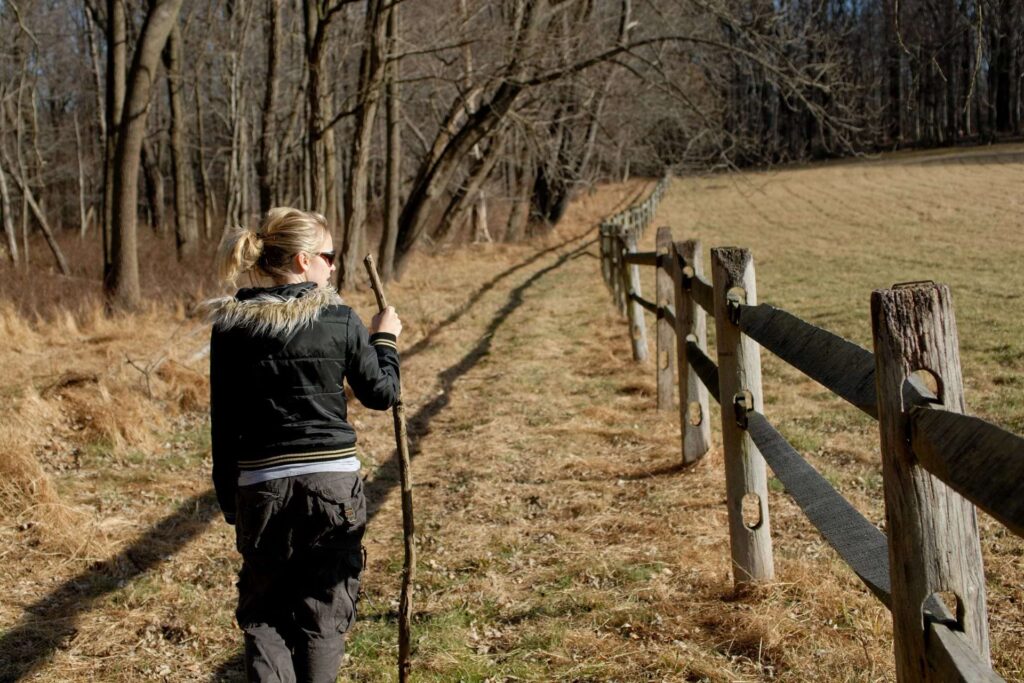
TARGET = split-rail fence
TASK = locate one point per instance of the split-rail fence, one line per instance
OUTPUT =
(937, 462)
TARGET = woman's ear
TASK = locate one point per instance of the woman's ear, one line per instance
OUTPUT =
(302, 262)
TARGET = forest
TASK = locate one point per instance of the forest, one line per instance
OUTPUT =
(416, 123)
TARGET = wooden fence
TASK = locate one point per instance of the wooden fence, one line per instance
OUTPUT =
(937, 463)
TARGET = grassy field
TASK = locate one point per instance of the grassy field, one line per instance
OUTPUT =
(559, 539)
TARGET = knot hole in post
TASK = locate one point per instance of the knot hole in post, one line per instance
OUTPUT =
(752, 517)
(694, 413)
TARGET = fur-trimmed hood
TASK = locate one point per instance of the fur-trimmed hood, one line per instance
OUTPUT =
(273, 311)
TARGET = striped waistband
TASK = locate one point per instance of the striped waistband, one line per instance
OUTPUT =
(296, 458)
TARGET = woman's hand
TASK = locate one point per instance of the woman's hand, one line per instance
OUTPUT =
(386, 321)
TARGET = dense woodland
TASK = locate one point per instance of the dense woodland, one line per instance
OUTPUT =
(411, 123)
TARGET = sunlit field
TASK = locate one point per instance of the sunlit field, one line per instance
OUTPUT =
(559, 540)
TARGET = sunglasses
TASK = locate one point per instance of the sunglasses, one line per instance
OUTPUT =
(328, 256)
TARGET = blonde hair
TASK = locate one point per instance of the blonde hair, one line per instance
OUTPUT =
(269, 250)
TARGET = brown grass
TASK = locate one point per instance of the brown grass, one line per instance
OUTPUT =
(558, 538)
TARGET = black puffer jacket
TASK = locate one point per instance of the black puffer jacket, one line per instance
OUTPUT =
(277, 359)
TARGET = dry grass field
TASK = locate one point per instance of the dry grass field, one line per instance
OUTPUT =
(559, 539)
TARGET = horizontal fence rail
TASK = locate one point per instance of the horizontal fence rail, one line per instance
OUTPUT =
(839, 365)
(859, 542)
(981, 463)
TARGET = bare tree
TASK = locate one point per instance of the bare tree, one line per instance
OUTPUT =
(6, 219)
(266, 164)
(392, 188)
(186, 236)
(117, 60)
(371, 77)
(122, 283)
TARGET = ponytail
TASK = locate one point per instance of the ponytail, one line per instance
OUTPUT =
(270, 250)
(239, 252)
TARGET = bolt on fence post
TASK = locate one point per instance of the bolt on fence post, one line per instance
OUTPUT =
(631, 286)
(932, 530)
(665, 344)
(691, 322)
(739, 381)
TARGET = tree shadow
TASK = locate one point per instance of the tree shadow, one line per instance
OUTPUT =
(50, 623)
(425, 342)
(419, 424)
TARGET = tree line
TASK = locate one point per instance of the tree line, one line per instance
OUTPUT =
(414, 122)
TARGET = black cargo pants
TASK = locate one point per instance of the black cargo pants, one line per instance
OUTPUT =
(300, 540)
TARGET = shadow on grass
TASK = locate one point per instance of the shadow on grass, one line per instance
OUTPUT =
(50, 624)
(424, 343)
(418, 424)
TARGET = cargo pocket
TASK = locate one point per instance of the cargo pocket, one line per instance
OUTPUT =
(257, 507)
(353, 563)
(338, 509)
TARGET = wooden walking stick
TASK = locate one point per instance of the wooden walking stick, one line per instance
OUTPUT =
(408, 528)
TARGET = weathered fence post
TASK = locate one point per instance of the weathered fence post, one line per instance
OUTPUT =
(739, 381)
(665, 331)
(618, 288)
(606, 255)
(932, 531)
(691, 323)
(631, 287)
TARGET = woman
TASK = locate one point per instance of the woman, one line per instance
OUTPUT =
(284, 455)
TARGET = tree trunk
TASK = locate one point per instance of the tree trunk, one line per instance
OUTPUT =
(315, 38)
(82, 222)
(266, 165)
(186, 237)
(392, 186)
(122, 285)
(117, 59)
(154, 183)
(465, 198)
(482, 168)
(204, 179)
(371, 76)
(6, 222)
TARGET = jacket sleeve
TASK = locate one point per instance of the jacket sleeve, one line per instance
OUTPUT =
(224, 428)
(371, 366)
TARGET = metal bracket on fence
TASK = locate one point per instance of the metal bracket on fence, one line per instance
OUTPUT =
(688, 274)
(733, 305)
(742, 403)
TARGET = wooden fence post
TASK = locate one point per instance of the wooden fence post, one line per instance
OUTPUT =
(739, 381)
(932, 531)
(616, 244)
(631, 287)
(691, 322)
(665, 331)
(606, 264)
